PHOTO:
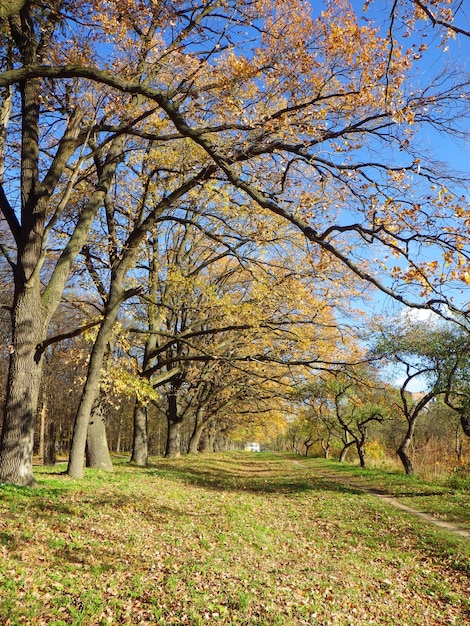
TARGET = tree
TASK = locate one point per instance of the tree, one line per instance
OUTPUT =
(314, 420)
(452, 371)
(222, 320)
(356, 406)
(446, 16)
(343, 403)
(52, 172)
(64, 373)
(142, 218)
(220, 313)
(436, 353)
(292, 120)
(180, 304)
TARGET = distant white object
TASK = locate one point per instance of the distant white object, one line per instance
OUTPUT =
(252, 447)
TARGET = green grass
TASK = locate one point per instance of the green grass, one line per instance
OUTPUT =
(234, 538)
(448, 499)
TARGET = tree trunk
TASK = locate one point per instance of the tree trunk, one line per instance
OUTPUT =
(404, 447)
(195, 439)
(42, 432)
(220, 442)
(50, 446)
(173, 442)
(204, 442)
(24, 378)
(345, 450)
(140, 451)
(210, 441)
(403, 453)
(28, 315)
(91, 390)
(97, 451)
(295, 445)
(465, 421)
(308, 443)
(361, 453)
(458, 446)
(10, 7)
(117, 446)
(361, 444)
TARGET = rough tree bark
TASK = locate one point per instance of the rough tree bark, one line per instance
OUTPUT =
(29, 315)
(97, 450)
(10, 7)
(173, 442)
(91, 388)
(403, 449)
(140, 451)
(50, 447)
(195, 439)
(24, 378)
(208, 439)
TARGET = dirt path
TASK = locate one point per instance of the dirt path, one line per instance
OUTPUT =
(452, 528)
(456, 530)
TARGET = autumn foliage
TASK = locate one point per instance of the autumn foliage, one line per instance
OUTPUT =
(289, 136)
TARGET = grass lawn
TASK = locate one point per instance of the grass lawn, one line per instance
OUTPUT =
(239, 538)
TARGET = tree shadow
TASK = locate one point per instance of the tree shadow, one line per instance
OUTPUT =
(252, 478)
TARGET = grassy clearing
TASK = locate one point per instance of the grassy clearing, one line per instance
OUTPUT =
(226, 539)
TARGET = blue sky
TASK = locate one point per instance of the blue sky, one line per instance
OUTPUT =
(439, 56)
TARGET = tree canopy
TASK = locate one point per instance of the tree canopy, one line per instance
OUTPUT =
(268, 118)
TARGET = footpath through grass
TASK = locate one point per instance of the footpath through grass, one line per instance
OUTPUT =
(234, 538)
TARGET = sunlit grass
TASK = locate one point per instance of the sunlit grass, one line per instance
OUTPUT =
(448, 498)
(226, 539)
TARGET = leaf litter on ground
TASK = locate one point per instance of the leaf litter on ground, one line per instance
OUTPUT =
(234, 538)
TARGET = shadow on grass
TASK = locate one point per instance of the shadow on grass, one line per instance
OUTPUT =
(241, 472)
(256, 476)
(59, 500)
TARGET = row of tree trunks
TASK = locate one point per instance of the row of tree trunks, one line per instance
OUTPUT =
(204, 438)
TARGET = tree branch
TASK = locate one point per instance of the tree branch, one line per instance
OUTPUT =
(40, 348)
